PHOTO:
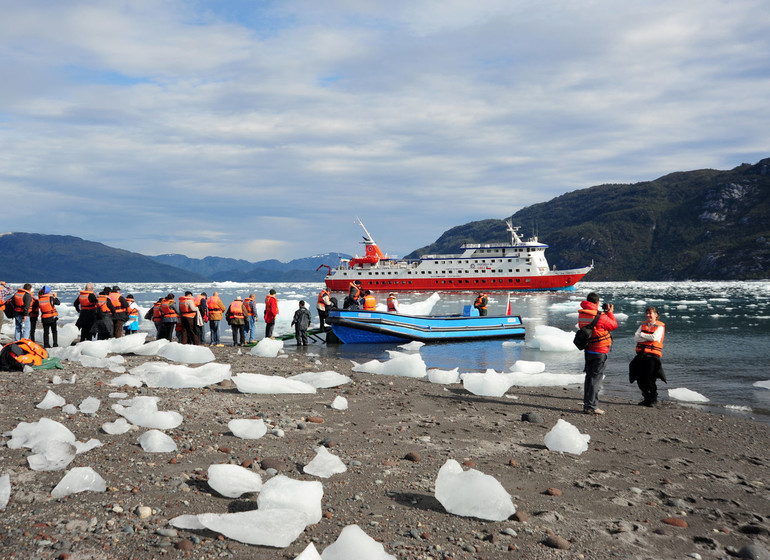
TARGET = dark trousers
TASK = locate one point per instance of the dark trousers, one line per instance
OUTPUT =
(189, 336)
(50, 328)
(168, 330)
(237, 334)
(269, 329)
(595, 365)
(646, 370)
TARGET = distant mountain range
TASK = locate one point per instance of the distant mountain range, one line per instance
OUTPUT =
(693, 225)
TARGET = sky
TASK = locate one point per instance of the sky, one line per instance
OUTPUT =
(260, 129)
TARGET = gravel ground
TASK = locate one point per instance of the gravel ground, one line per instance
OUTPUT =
(670, 482)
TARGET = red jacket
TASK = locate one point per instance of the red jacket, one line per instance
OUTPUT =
(271, 308)
(601, 341)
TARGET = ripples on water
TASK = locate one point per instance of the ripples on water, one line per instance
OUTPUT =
(716, 332)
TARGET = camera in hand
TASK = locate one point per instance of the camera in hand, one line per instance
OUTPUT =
(606, 306)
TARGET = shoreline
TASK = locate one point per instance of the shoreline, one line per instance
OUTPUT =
(643, 466)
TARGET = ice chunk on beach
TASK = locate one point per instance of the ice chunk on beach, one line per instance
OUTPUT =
(68, 334)
(399, 364)
(472, 493)
(186, 353)
(94, 348)
(444, 376)
(411, 347)
(267, 348)
(544, 379)
(79, 479)
(324, 464)
(69, 409)
(81, 447)
(322, 379)
(247, 428)
(151, 348)
(551, 339)
(687, 395)
(126, 379)
(339, 403)
(35, 435)
(175, 376)
(71, 353)
(488, 384)
(310, 553)
(89, 405)
(127, 344)
(5, 491)
(190, 522)
(275, 527)
(522, 366)
(269, 384)
(283, 493)
(51, 400)
(57, 380)
(232, 481)
(353, 542)
(566, 438)
(112, 363)
(119, 426)
(143, 411)
(155, 441)
(53, 455)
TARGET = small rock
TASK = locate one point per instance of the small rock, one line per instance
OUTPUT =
(513, 463)
(143, 512)
(675, 522)
(273, 463)
(413, 456)
(167, 532)
(225, 449)
(510, 532)
(555, 541)
(521, 516)
(315, 419)
(532, 417)
(184, 545)
(468, 463)
(754, 552)
(247, 463)
(554, 492)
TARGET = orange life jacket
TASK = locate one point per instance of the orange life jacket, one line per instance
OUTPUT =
(132, 311)
(47, 309)
(186, 306)
(102, 300)
(85, 302)
(355, 291)
(600, 338)
(651, 346)
(166, 309)
(479, 303)
(34, 354)
(236, 310)
(18, 302)
(321, 303)
(392, 302)
(370, 304)
(249, 306)
(34, 311)
(115, 299)
(157, 313)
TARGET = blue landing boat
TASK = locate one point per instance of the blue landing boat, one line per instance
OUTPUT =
(356, 326)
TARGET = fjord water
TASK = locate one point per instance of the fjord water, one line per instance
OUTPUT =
(716, 343)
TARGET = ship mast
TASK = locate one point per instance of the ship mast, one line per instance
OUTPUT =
(515, 239)
(368, 239)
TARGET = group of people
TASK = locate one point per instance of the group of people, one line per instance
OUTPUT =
(359, 298)
(105, 315)
(645, 368)
(26, 309)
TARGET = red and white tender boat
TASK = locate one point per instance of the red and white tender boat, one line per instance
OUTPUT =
(517, 265)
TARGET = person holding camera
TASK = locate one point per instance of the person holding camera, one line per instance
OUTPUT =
(597, 350)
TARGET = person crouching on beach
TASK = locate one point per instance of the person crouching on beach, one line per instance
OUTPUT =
(646, 367)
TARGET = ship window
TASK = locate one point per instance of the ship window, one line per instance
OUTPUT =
(518, 279)
(527, 280)
(517, 270)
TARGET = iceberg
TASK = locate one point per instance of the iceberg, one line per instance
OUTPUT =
(339, 403)
(175, 376)
(551, 339)
(310, 553)
(89, 405)
(5, 491)
(119, 426)
(143, 411)
(566, 438)
(444, 376)
(472, 493)
(232, 481)
(79, 479)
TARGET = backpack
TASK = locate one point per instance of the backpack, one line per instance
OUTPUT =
(583, 334)
(16, 355)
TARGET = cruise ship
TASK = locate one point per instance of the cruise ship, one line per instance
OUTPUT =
(512, 266)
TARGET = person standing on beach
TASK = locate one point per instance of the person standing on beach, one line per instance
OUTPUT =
(46, 303)
(215, 308)
(85, 305)
(250, 305)
(301, 322)
(236, 318)
(271, 312)
(597, 350)
(169, 316)
(646, 367)
(22, 306)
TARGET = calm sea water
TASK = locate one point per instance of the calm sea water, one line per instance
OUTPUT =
(716, 343)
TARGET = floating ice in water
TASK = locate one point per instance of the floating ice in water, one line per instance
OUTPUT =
(411, 347)
(399, 364)
(310, 553)
(275, 527)
(551, 339)
(419, 307)
(322, 379)
(324, 464)
(269, 384)
(353, 542)
(267, 348)
(509, 343)
(472, 493)
(522, 366)
(566, 438)
(444, 376)
(89, 405)
(119, 426)
(143, 411)
(51, 400)
(544, 379)
(488, 384)
(79, 479)
(283, 493)
(69, 409)
(151, 348)
(340, 403)
(246, 428)
(686, 395)
(175, 376)
(5, 490)
(155, 441)
(186, 353)
(232, 481)
(763, 384)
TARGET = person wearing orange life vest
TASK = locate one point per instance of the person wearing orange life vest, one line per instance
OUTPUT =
(188, 311)
(203, 316)
(646, 366)
(215, 308)
(250, 305)
(370, 304)
(131, 325)
(392, 303)
(271, 312)
(236, 318)
(120, 311)
(85, 305)
(169, 316)
(46, 303)
(597, 350)
(22, 306)
(354, 297)
(102, 327)
(481, 304)
(322, 306)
